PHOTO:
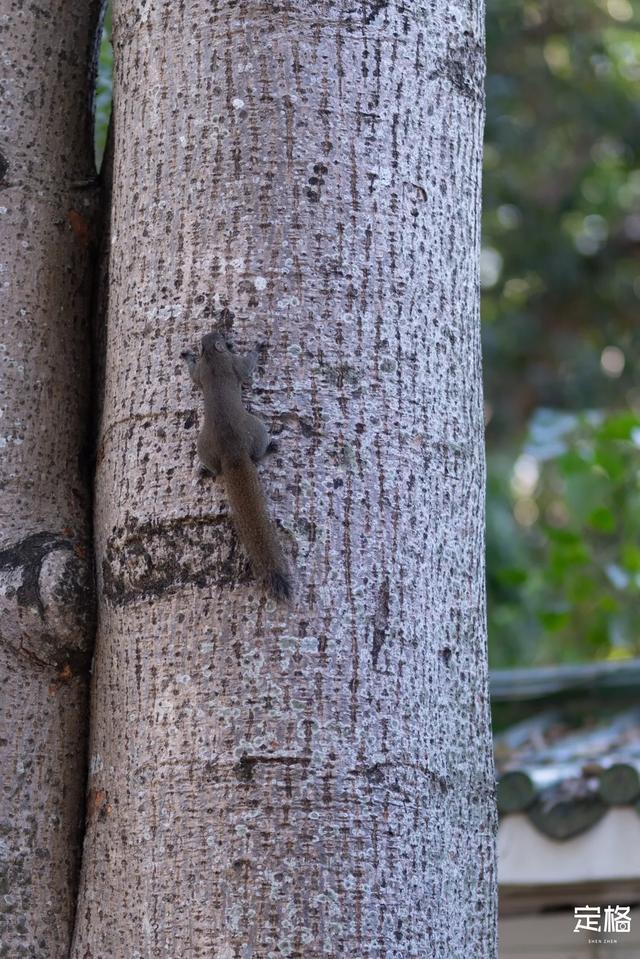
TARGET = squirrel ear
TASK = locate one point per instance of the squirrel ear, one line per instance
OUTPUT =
(219, 343)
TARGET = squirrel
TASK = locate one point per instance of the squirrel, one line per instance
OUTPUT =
(230, 442)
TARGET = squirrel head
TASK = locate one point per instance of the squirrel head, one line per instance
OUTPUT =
(214, 357)
(214, 344)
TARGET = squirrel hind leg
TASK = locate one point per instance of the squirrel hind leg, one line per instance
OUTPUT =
(211, 468)
(272, 447)
(259, 441)
(279, 585)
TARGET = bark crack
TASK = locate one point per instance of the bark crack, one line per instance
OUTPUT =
(380, 621)
(246, 765)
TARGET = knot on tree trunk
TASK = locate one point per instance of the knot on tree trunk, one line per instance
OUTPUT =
(47, 597)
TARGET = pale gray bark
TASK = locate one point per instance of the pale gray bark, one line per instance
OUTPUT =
(47, 207)
(317, 780)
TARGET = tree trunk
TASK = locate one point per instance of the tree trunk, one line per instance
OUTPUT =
(48, 201)
(313, 780)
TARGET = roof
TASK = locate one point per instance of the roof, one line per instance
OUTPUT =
(606, 855)
(617, 676)
(577, 753)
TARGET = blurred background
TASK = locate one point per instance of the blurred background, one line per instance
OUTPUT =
(560, 308)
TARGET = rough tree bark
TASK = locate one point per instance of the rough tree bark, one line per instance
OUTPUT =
(48, 201)
(317, 780)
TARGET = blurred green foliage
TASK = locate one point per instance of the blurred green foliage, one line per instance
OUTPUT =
(563, 541)
(561, 292)
(561, 227)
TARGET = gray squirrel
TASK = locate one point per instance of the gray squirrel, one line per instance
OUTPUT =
(230, 443)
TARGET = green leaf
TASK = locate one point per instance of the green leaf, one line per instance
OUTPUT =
(512, 576)
(602, 520)
(613, 462)
(585, 493)
(554, 620)
(619, 426)
(630, 556)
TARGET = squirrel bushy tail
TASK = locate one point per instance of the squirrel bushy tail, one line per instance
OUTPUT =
(255, 529)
